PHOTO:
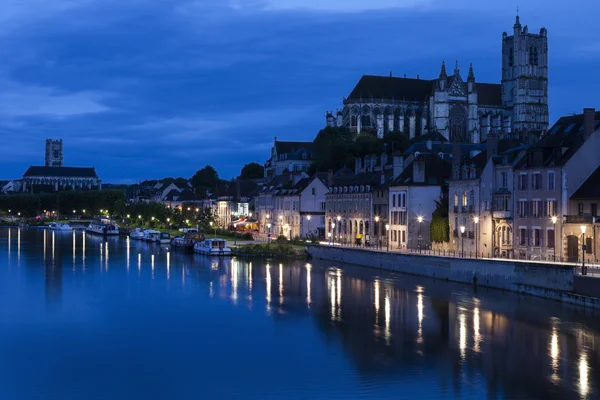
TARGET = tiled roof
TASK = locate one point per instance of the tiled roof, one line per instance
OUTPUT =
(388, 88)
(410, 89)
(590, 189)
(61, 172)
(489, 94)
(293, 147)
(437, 171)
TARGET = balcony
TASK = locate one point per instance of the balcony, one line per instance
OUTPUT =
(579, 219)
(465, 209)
(501, 214)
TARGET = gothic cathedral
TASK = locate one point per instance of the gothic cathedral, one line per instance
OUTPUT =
(459, 111)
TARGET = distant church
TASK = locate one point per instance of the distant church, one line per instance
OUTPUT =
(459, 111)
(54, 176)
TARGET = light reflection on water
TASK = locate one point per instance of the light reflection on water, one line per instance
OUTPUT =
(483, 345)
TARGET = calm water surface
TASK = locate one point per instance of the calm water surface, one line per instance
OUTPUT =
(84, 318)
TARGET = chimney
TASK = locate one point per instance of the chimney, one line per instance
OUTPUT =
(384, 160)
(589, 114)
(492, 145)
(397, 165)
(419, 170)
(357, 165)
(330, 178)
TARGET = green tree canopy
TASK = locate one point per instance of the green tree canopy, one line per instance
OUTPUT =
(252, 171)
(205, 179)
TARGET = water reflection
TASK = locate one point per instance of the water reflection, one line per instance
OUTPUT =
(439, 337)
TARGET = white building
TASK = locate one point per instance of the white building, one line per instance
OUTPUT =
(412, 198)
(290, 156)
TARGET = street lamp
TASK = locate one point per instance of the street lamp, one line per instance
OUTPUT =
(462, 240)
(269, 235)
(583, 249)
(378, 233)
(333, 230)
(339, 225)
(476, 220)
(387, 236)
(554, 219)
(83, 210)
(420, 220)
(128, 216)
(308, 217)
(187, 221)
(235, 235)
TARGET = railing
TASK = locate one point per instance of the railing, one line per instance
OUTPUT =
(579, 219)
(501, 214)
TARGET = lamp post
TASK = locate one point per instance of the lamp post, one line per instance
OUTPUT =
(583, 249)
(235, 235)
(329, 237)
(308, 217)
(378, 233)
(211, 228)
(420, 220)
(462, 240)
(387, 236)
(332, 231)
(168, 223)
(267, 220)
(339, 228)
(476, 220)
(554, 219)
(280, 223)
(269, 235)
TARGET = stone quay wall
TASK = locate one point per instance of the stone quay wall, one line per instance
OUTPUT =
(539, 279)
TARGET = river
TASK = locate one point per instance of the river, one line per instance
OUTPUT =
(87, 318)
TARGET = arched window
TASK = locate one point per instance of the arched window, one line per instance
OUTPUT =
(458, 123)
(353, 120)
(455, 199)
(465, 199)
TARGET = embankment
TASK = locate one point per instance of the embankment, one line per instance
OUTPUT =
(549, 281)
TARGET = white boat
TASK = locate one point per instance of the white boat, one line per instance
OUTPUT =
(103, 227)
(212, 247)
(151, 235)
(60, 226)
(165, 238)
(137, 234)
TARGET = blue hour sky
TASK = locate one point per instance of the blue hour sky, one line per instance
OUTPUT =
(144, 89)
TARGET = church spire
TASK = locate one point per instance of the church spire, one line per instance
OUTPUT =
(471, 77)
(443, 74)
(456, 70)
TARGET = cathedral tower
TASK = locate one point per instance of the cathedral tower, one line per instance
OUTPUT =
(525, 78)
(54, 153)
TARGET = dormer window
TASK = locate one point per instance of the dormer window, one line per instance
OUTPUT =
(368, 188)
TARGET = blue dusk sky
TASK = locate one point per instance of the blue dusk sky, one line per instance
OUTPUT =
(145, 89)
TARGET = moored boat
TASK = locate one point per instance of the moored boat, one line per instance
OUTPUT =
(183, 243)
(151, 235)
(165, 238)
(137, 234)
(60, 226)
(103, 227)
(212, 247)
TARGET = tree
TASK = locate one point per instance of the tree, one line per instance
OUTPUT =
(205, 179)
(333, 149)
(252, 171)
(440, 227)
(395, 141)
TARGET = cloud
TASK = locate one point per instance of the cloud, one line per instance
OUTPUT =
(347, 6)
(19, 100)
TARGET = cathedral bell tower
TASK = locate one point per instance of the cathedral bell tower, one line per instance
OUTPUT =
(525, 78)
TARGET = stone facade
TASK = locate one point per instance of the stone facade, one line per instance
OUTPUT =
(460, 110)
(54, 153)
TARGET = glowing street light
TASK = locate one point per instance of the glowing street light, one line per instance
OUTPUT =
(476, 220)
(387, 236)
(462, 239)
(583, 249)
(554, 219)
(420, 221)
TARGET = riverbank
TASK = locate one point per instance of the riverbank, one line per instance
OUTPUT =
(551, 281)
